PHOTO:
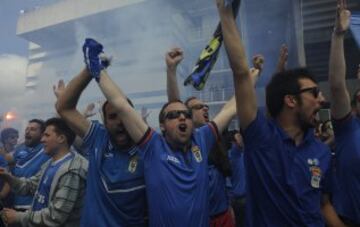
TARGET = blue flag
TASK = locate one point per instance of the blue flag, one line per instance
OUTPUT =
(355, 26)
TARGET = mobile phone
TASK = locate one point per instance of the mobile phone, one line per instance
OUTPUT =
(324, 115)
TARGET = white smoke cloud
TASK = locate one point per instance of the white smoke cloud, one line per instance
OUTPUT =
(12, 87)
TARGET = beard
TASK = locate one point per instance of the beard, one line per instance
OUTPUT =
(304, 123)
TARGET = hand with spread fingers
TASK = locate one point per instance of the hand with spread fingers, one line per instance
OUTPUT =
(343, 15)
(59, 89)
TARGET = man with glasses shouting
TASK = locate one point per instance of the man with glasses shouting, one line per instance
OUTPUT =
(287, 165)
(175, 163)
(219, 165)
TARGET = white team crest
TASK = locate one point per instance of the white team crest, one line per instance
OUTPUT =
(315, 173)
(197, 153)
(133, 164)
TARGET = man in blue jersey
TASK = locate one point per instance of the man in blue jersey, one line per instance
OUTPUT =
(115, 193)
(175, 163)
(59, 186)
(28, 159)
(346, 193)
(285, 164)
(237, 184)
(219, 164)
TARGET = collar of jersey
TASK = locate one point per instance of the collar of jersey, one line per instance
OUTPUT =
(131, 151)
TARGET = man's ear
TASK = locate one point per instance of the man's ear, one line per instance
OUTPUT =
(61, 138)
(290, 101)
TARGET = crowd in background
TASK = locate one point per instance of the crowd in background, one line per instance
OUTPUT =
(294, 163)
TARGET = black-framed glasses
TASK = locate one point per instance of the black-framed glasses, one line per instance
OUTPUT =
(315, 91)
(199, 106)
(174, 114)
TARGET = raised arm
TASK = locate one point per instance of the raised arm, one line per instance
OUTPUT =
(337, 68)
(172, 59)
(244, 90)
(226, 114)
(283, 58)
(96, 64)
(132, 120)
(256, 70)
(67, 101)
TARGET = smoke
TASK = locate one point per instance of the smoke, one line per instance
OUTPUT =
(138, 35)
(12, 74)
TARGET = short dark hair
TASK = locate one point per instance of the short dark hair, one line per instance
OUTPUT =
(162, 111)
(282, 84)
(7, 132)
(188, 100)
(60, 127)
(41, 123)
(103, 108)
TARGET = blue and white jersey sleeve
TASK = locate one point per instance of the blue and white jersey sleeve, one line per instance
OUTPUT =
(91, 137)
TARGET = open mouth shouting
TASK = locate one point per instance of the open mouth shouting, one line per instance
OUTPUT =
(182, 127)
(206, 116)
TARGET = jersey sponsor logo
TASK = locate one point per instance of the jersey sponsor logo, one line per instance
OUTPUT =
(173, 159)
(133, 164)
(197, 153)
(315, 172)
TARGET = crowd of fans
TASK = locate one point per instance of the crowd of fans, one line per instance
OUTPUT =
(286, 166)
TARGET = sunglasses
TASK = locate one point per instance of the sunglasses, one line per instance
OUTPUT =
(315, 91)
(176, 114)
(199, 106)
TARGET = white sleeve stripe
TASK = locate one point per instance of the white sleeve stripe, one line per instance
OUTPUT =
(89, 133)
